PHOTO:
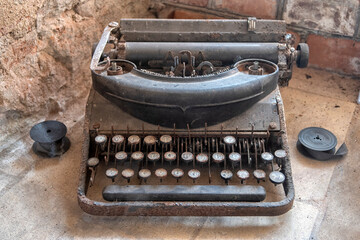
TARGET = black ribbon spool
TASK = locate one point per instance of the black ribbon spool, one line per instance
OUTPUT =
(50, 139)
(319, 143)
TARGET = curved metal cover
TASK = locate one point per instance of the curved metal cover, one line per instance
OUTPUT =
(167, 100)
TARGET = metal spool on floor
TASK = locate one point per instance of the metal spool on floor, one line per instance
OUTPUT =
(50, 139)
(319, 143)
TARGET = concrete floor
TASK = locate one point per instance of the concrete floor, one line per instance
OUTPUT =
(38, 196)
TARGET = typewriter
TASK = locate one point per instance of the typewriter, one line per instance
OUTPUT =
(185, 118)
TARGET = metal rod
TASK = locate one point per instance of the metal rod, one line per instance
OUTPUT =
(174, 133)
(225, 157)
(248, 152)
(240, 155)
(108, 152)
(194, 153)
(188, 128)
(256, 153)
(209, 162)
(178, 153)
(205, 133)
(162, 155)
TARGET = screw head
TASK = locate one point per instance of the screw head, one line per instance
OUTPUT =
(272, 125)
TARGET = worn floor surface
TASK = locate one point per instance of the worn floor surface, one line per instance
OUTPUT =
(38, 196)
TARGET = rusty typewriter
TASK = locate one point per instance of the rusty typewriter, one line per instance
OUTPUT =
(185, 117)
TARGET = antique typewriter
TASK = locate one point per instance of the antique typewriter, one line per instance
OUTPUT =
(185, 117)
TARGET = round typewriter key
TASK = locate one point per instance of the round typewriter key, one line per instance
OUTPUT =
(276, 177)
(218, 157)
(202, 158)
(187, 157)
(150, 140)
(267, 157)
(118, 139)
(127, 173)
(112, 173)
(177, 173)
(165, 139)
(170, 156)
(229, 140)
(242, 174)
(153, 156)
(93, 162)
(226, 175)
(235, 157)
(100, 139)
(259, 175)
(134, 140)
(121, 156)
(137, 156)
(144, 173)
(194, 174)
(280, 155)
(161, 173)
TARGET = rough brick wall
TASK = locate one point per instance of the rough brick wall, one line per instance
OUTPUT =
(331, 27)
(45, 51)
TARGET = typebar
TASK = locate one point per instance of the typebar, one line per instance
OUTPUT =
(246, 193)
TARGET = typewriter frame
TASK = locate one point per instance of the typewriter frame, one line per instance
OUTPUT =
(182, 208)
(266, 30)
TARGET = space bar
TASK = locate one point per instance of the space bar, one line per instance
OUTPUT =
(248, 193)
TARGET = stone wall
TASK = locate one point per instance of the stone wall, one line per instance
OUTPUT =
(45, 51)
(331, 28)
(45, 46)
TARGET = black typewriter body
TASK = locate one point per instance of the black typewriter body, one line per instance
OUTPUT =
(185, 118)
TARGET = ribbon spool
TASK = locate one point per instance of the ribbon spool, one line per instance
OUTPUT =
(319, 143)
(50, 139)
